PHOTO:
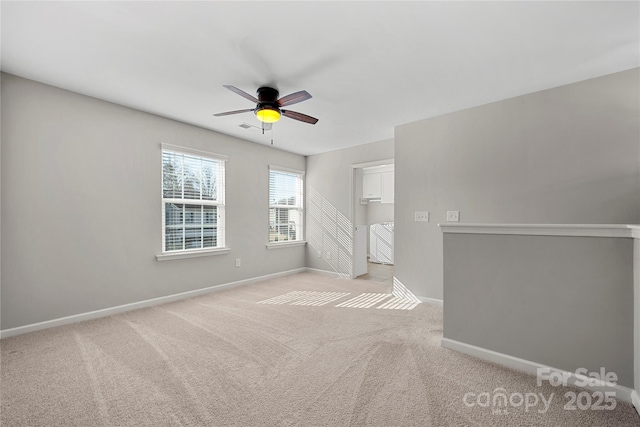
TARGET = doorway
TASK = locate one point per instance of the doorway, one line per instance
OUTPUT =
(373, 215)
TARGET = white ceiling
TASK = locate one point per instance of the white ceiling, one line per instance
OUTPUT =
(369, 65)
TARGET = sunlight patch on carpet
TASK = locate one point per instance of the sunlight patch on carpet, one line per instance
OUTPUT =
(364, 300)
(305, 298)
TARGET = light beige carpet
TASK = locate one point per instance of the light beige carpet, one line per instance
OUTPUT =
(250, 356)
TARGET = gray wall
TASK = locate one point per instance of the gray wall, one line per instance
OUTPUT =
(565, 155)
(564, 302)
(329, 203)
(81, 207)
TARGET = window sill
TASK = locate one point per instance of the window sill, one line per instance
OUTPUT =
(192, 254)
(286, 244)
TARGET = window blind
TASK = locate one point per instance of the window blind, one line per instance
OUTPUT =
(286, 214)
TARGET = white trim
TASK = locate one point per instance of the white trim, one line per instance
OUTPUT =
(378, 169)
(581, 230)
(635, 399)
(352, 219)
(219, 203)
(283, 169)
(622, 393)
(431, 301)
(374, 163)
(286, 244)
(185, 150)
(192, 254)
(105, 312)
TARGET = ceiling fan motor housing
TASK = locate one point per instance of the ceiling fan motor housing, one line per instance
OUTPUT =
(267, 97)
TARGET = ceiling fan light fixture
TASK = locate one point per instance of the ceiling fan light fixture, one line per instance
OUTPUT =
(268, 105)
(268, 114)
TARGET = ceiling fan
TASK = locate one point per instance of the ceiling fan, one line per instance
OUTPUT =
(268, 106)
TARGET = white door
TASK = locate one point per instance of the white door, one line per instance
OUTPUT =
(360, 251)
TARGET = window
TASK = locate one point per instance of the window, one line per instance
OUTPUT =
(192, 200)
(285, 205)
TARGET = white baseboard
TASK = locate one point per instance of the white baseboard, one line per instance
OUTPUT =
(6, 333)
(635, 399)
(431, 301)
(622, 393)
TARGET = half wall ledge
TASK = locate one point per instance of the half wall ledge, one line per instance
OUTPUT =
(565, 296)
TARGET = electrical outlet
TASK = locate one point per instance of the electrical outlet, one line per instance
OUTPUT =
(453, 216)
(319, 253)
(422, 216)
(237, 262)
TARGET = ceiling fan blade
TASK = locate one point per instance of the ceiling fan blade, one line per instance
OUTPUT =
(228, 113)
(294, 98)
(299, 116)
(241, 93)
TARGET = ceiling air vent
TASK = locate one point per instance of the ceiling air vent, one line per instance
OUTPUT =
(246, 125)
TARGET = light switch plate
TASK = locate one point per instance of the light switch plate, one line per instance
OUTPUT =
(422, 216)
(453, 216)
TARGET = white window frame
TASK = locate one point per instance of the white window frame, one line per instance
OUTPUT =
(300, 234)
(220, 247)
